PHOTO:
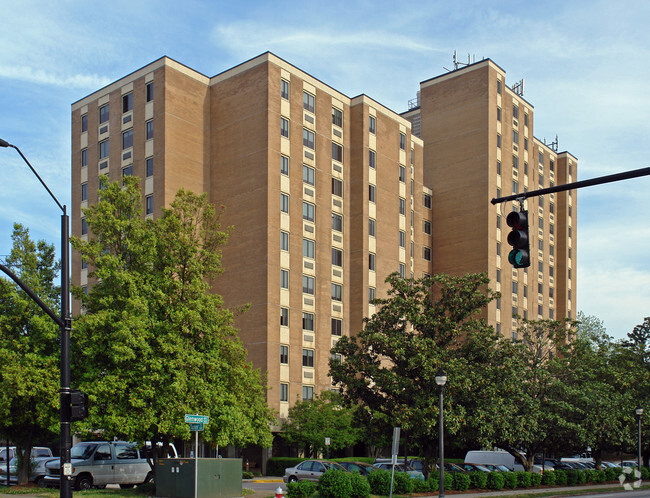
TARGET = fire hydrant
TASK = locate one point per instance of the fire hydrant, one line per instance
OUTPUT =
(279, 493)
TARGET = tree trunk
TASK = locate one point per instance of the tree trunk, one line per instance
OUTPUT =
(24, 467)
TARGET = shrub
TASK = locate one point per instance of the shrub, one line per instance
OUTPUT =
(449, 480)
(335, 484)
(549, 476)
(360, 486)
(461, 481)
(560, 477)
(301, 489)
(402, 483)
(433, 483)
(509, 480)
(645, 472)
(523, 479)
(246, 474)
(535, 479)
(590, 475)
(599, 475)
(495, 480)
(582, 476)
(420, 486)
(611, 474)
(275, 465)
(379, 481)
(478, 480)
(572, 477)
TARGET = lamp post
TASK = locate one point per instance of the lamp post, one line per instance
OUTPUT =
(639, 412)
(441, 380)
(64, 325)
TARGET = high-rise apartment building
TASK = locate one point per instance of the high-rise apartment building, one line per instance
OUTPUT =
(479, 145)
(325, 193)
(329, 194)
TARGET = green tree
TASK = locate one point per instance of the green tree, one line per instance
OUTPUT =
(389, 367)
(155, 342)
(311, 421)
(525, 404)
(29, 349)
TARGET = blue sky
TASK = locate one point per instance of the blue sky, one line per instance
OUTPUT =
(585, 65)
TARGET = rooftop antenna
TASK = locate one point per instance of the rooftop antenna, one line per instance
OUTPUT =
(518, 87)
(553, 145)
(470, 60)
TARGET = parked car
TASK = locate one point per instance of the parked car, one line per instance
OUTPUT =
(496, 468)
(414, 474)
(473, 467)
(452, 467)
(37, 474)
(99, 463)
(360, 467)
(497, 458)
(309, 470)
(416, 463)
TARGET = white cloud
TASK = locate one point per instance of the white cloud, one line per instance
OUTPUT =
(40, 76)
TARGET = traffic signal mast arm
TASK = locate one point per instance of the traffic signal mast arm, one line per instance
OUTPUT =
(575, 185)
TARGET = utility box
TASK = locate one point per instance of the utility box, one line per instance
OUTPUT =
(217, 477)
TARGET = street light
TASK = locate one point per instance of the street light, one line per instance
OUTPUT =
(639, 412)
(64, 325)
(441, 380)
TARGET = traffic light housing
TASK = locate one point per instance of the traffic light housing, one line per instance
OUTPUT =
(78, 405)
(519, 256)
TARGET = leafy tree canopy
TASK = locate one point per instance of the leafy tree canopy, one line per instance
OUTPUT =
(155, 342)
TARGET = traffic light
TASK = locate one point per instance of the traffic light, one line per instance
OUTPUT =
(519, 256)
(78, 405)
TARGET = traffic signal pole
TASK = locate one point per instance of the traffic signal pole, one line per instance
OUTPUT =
(575, 185)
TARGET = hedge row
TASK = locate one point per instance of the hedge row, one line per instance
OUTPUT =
(340, 484)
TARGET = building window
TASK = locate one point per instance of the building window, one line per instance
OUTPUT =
(308, 248)
(284, 317)
(307, 357)
(84, 226)
(515, 187)
(149, 167)
(499, 86)
(372, 158)
(308, 211)
(371, 261)
(426, 227)
(498, 114)
(515, 111)
(371, 227)
(284, 241)
(540, 309)
(84, 191)
(498, 275)
(150, 91)
(498, 248)
(540, 222)
(337, 325)
(402, 174)
(515, 137)
(402, 270)
(84, 264)
(337, 222)
(402, 206)
(541, 158)
(402, 238)
(427, 253)
(308, 174)
(337, 292)
(284, 165)
(84, 157)
(515, 162)
(284, 391)
(148, 204)
(371, 295)
(540, 266)
(308, 102)
(498, 140)
(308, 139)
(526, 143)
(514, 287)
(149, 130)
(371, 193)
(372, 125)
(337, 117)
(427, 201)
(337, 152)
(526, 118)
(284, 279)
(104, 113)
(307, 393)
(284, 203)
(308, 284)
(284, 127)
(84, 123)
(127, 139)
(284, 91)
(284, 354)
(127, 102)
(308, 321)
(337, 187)
(103, 149)
(127, 170)
(337, 257)
(498, 167)
(402, 141)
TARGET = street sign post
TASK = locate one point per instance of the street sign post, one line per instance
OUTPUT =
(196, 419)
(327, 443)
(196, 427)
(197, 423)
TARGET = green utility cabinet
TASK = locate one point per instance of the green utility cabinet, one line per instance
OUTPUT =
(217, 477)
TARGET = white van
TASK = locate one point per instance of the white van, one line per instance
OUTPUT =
(497, 458)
